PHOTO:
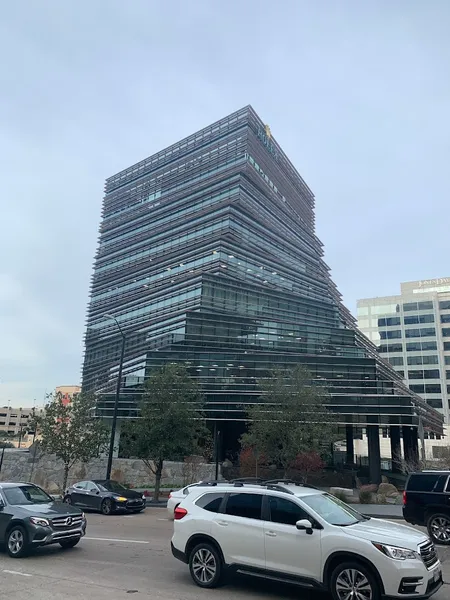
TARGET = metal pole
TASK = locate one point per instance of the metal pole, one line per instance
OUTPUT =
(116, 406)
(216, 449)
(1, 459)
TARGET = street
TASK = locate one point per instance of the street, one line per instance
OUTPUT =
(130, 555)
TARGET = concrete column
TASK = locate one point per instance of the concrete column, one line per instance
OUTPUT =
(373, 440)
(396, 448)
(410, 445)
(350, 444)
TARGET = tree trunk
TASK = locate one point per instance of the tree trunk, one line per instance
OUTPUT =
(158, 474)
(66, 476)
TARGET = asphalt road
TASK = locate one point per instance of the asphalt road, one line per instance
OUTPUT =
(129, 557)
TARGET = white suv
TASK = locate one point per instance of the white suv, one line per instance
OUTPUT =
(296, 534)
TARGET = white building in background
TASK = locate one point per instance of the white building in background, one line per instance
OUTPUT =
(412, 332)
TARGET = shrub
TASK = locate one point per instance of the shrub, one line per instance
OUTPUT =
(307, 463)
(366, 495)
(340, 495)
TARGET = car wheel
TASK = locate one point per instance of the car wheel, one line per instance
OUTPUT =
(17, 542)
(68, 500)
(353, 580)
(69, 543)
(106, 507)
(438, 526)
(205, 565)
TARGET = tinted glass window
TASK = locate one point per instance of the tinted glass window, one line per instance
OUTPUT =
(422, 483)
(445, 318)
(210, 502)
(91, 487)
(26, 494)
(446, 331)
(81, 485)
(396, 361)
(286, 512)
(444, 305)
(426, 305)
(410, 306)
(110, 486)
(432, 388)
(244, 505)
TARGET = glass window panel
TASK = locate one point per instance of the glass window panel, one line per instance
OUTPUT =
(409, 306)
(428, 305)
(444, 305)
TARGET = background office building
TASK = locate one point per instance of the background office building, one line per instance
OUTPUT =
(208, 257)
(412, 332)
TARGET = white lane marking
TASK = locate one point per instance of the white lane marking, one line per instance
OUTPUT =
(17, 573)
(99, 539)
(163, 519)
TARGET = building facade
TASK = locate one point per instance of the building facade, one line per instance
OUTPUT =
(412, 332)
(14, 422)
(208, 257)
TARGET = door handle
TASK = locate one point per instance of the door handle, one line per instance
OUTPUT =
(271, 534)
(222, 523)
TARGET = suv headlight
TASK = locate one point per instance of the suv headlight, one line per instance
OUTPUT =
(39, 521)
(395, 552)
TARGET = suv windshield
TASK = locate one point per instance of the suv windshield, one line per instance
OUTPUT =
(26, 494)
(332, 510)
(110, 486)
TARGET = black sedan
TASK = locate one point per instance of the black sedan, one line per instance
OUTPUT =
(104, 496)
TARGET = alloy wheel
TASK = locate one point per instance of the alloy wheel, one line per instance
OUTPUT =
(204, 566)
(106, 507)
(15, 541)
(351, 584)
(68, 500)
(440, 529)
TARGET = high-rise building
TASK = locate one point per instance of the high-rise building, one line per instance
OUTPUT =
(208, 256)
(412, 332)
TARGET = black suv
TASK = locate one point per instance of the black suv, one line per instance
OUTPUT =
(29, 518)
(426, 502)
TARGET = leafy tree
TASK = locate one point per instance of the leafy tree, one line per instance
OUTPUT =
(70, 431)
(171, 424)
(308, 463)
(291, 418)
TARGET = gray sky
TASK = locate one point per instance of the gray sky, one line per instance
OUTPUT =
(356, 92)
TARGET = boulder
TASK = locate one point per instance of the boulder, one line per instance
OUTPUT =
(388, 490)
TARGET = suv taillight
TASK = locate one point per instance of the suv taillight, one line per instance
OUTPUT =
(179, 513)
(404, 498)
(170, 495)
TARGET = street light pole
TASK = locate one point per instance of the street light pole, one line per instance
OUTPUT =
(116, 400)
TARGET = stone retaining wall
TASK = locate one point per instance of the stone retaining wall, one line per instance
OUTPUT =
(47, 471)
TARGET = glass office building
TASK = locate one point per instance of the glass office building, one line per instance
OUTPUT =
(208, 256)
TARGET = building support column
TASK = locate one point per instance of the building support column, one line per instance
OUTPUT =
(350, 445)
(396, 448)
(411, 446)
(373, 441)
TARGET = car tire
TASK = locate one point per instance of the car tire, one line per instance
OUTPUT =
(68, 500)
(66, 544)
(350, 576)
(206, 566)
(16, 542)
(438, 525)
(107, 507)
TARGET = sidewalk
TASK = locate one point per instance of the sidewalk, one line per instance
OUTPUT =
(381, 511)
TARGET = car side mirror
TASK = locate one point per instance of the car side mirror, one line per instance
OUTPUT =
(98, 492)
(2, 504)
(305, 525)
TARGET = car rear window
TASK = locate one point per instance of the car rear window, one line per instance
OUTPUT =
(425, 482)
(210, 502)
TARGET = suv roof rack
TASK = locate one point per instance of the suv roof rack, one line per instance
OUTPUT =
(289, 482)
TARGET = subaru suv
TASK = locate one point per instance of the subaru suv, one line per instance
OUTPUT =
(30, 518)
(296, 534)
(426, 502)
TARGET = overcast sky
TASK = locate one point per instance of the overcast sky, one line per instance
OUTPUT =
(356, 92)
